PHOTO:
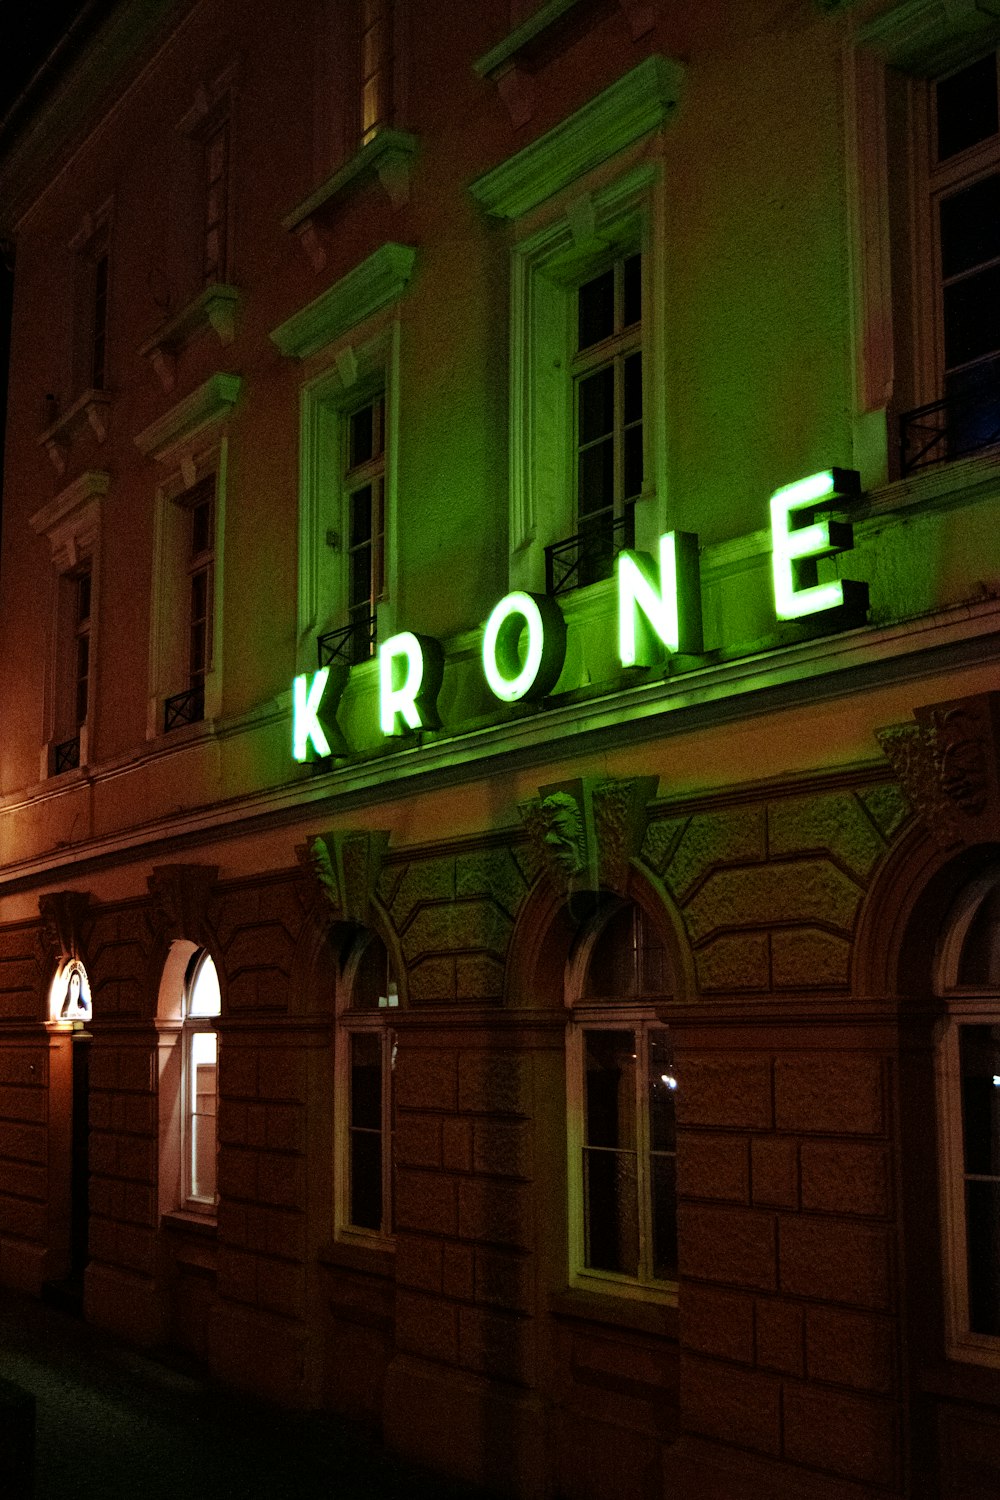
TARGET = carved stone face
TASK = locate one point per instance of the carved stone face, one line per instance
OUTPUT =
(963, 770)
(564, 832)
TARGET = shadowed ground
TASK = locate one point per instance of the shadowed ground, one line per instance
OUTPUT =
(114, 1423)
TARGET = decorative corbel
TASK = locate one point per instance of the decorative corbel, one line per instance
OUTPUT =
(62, 914)
(344, 868)
(517, 90)
(181, 894)
(640, 15)
(587, 831)
(313, 247)
(949, 765)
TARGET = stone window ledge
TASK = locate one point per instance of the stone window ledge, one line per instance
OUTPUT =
(658, 1318)
(379, 280)
(926, 38)
(386, 156)
(213, 310)
(512, 61)
(357, 1255)
(89, 411)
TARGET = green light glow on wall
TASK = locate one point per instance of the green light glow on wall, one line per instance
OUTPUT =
(663, 614)
(308, 735)
(410, 668)
(537, 618)
(795, 551)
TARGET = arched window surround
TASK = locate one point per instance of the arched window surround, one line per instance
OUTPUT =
(188, 1087)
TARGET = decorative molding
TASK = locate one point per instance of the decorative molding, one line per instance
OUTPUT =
(62, 915)
(372, 285)
(386, 156)
(207, 406)
(89, 410)
(636, 104)
(344, 869)
(949, 765)
(181, 895)
(927, 37)
(587, 831)
(501, 56)
(214, 309)
(71, 520)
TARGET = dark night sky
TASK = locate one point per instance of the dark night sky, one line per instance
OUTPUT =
(28, 33)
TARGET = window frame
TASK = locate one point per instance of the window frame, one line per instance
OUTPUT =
(586, 1014)
(353, 1021)
(191, 1027)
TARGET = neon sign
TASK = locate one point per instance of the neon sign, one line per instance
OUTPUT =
(659, 613)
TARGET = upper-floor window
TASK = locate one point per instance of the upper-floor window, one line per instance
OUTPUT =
(621, 1088)
(364, 521)
(200, 505)
(376, 57)
(92, 247)
(215, 186)
(366, 1048)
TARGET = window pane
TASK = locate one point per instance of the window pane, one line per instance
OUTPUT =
(663, 1171)
(596, 310)
(633, 388)
(366, 1179)
(980, 960)
(979, 1052)
(204, 1054)
(610, 1101)
(361, 447)
(633, 290)
(662, 1091)
(611, 1209)
(632, 476)
(361, 576)
(972, 317)
(361, 515)
(203, 998)
(596, 489)
(596, 404)
(201, 528)
(967, 107)
(366, 1080)
(970, 226)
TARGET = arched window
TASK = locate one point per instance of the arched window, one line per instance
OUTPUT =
(969, 1077)
(365, 1057)
(199, 1081)
(621, 1088)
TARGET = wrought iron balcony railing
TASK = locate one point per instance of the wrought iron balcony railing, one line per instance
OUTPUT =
(66, 756)
(590, 555)
(184, 708)
(350, 644)
(955, 426)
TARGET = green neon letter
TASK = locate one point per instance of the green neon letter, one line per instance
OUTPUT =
(409, 673)
(795, 551)
(670, 608)
(521, 615)
(306, 727)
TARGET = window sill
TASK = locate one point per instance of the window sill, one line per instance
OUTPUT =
(370, 1259)
(89, 411)
(189, 1221)
(214, 309)
(658, 1318)
(928, 40)
(387, 156)
(956, 481)
(549, 30)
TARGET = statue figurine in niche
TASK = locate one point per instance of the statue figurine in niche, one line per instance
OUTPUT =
(76, 994)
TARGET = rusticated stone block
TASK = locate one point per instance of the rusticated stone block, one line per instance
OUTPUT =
(232, 1124)
(846, 1348)
(774, 1169)
(27, 1219)
(28, 1066)
(426, 1079)
(732, 837)
(276, 1231)
(779, 1339)
(136, 1069)
(426, 1202)
(432, 979)
(426, 880)
(257, 1126)
(281, 1287)
(502, 1148)
(285, 1127)
(137, 1248)
(734, 1406)
(280, 1180)
(261, 990)
(282, 1074)
(419, 1262)
(103, 1068)
(494, 1344)
(458, 1272)
(735, 1245)
(502, 1279)
(463, 926)
(849, 1435)
(456, 1145)
(713, 1166)
(662, 838)
(804, 958)
(800, 890)
(734, 962)
(231, 1219)
(426, 1326)
(103, 1152)
(106, 1197)
(418, 1140)
(493, 873)
(494, 1083)
(887, 807)
(836, 1261)
(237, 1071)
(725, 1089)
(237, 1172)
(834, 1093)
(27, 1106)
(479, 976)
(495, 1212)
(137, 1205)
(716, 1322)
(836, 822)
(102, 1238)
(139, 1115)
(22, 1180)
(845, 1177)
(136, 1158)
(237, 1274)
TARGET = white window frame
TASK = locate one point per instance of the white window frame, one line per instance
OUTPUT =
(192, 1027)
(583, 231)
(608, 1014)
(351, 1023)
(175, 1030)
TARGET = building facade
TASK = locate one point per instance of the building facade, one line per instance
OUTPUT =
(499, 793)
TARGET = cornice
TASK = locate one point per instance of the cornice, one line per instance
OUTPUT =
(631, 107)
(205, 407)
(93, 482)
(927, 37)
(372, 285)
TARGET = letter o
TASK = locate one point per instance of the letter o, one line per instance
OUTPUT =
(507, 677)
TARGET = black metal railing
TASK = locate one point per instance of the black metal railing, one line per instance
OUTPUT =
(66, 756)
(348, 645)
(590, 555)
(955, 426)
(184, 708)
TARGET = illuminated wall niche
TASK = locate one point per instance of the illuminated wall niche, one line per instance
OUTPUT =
(69, 995)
